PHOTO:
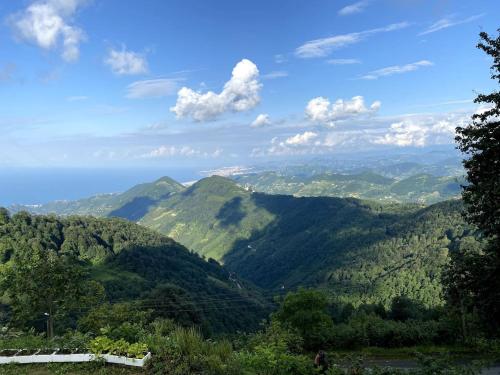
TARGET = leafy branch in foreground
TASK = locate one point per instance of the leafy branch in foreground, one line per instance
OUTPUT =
(473, 276)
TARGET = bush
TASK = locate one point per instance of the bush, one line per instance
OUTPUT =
(306, 311)
(104, 345)
(370, 330)
(186, 352)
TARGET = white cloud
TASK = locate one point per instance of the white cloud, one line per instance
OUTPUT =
(403, 134)
(299, 144)
(320, 110)
(261, 120)
(239, 94)
(397, 69)
(354, 8)
(420, 131)
(301, 139)
(447, 22)
(275, 74)
(323, 47)
(182, 151)
(343, 61)
(123, 62)
(166, 151)
(152, 88)
(48, 24)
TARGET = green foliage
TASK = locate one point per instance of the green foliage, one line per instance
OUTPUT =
(361, 251)
(39, 281)
(120, 320)
(209, 217)
(364, 330)
(101, 345)
(480, 141)
(46, 258)
(306, 311)
(403, 308)
(186, 352)
(472, 281)
(104, 345)
(275, 350)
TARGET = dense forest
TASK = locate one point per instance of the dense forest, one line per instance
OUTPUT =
(131, 264)
(362, 251)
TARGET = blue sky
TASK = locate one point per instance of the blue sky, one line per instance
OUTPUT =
(147, 82)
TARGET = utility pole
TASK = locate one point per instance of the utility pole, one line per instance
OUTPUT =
(50, 329)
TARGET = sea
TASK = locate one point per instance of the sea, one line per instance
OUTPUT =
(42, 185)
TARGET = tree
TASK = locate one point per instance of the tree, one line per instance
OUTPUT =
(43, 284)
(480, 141)
(307, 312)
(473, 276)
(4, 216)
(403, 308)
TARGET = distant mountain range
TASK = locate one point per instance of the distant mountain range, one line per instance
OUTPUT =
(392, 184)
(419, 188)
(362, 251)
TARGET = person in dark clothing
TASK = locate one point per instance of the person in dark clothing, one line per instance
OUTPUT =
(321, 362)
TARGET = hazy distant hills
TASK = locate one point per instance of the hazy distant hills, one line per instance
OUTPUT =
(419, 188)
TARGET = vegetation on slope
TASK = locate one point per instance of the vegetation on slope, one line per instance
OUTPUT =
(419, 188)
(361, 251)
(209, 217)
(131, 263)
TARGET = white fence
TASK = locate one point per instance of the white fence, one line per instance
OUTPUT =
(24, 356)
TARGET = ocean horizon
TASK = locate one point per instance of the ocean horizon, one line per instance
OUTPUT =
(42, 185)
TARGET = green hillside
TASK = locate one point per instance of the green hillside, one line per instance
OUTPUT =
(135, 202)
(345, 245)
(133, 262)
(209, 216)
(418, 188)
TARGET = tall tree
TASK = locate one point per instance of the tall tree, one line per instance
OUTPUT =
(42, 284)
(480, 141)
(474, 275)
(307, 312)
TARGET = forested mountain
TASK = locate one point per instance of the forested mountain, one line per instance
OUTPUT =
(346, 245)
(135, 263)
(209, 217)
(361, 250)
(419, 188)
(132, 204)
